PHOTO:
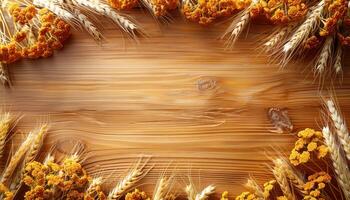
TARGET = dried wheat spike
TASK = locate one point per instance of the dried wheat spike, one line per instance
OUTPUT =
(55, 8)
(127, 182)
(237, 26)
(16, 158)
(161, 189)
(294, 177)
(105, 10)
(278, 36)
(190, 191)
(303, 31)
(205, 193)
(325, 55)
(341, 128)
(338, 60)
(5, 125)
(281, 179)
(253, 186)
(339, 163)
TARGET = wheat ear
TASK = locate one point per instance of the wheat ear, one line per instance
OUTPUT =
(126, 183)
(237, 26)
(339, 163)
(341, 128)
(205, 193)
(16, 158)
(56, 9)
(337, 62)
(105, 10)
(161, 189)
(253, 186)
(30, 156)
(281, 179)
(294, 177)
(278, 36)
(305, 28)
(190, 191)
(5, 125)
(325, 55)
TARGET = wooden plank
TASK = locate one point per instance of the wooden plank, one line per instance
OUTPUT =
(177, 95)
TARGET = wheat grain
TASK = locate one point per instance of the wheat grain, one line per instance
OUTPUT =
(16, 158)
(205, 193)
(253, 186)
(325, 54)
(281, 179)
(5, 125)
(94, 183)
(304, 29)
(339, 163)
(338, 60)
(126, 183)
(105, 10)
(160, 190)
(190, 191)
(341, 128)
(56, 9)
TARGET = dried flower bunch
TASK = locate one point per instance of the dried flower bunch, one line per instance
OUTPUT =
(206, 12)
(29, 32)
(290, 182)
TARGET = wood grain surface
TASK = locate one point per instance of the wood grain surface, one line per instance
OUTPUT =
(177, 95)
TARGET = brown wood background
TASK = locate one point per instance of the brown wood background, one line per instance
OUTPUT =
(178, 96)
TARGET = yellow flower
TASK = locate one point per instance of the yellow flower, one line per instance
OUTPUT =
(311, 146)
(224, 196)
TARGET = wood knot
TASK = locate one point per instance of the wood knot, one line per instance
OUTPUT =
(206, 83)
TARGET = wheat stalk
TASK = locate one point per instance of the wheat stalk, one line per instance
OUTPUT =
(56, 9)
(205, 193)
(126, 183)
(281, 179)
(341, 128)
(16, 158)
(190, 191)
(161, 187)
(5, 125)
(337, 62)
(324, 55)
(305, 28)
(105, 10)
(253, 186)
(339, 163)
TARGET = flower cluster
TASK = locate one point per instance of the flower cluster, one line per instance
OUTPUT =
(268, 187)
(159, 8)
(136, 195)
(51, 180)
(280, 11)
(247, 196)
(162, 7)
(7, 195)
(316, 183)
(334, 18)
(309, 141)
(29, 40)
(207, 11)
(123, 4)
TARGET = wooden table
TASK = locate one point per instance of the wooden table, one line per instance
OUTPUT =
(177, 95)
